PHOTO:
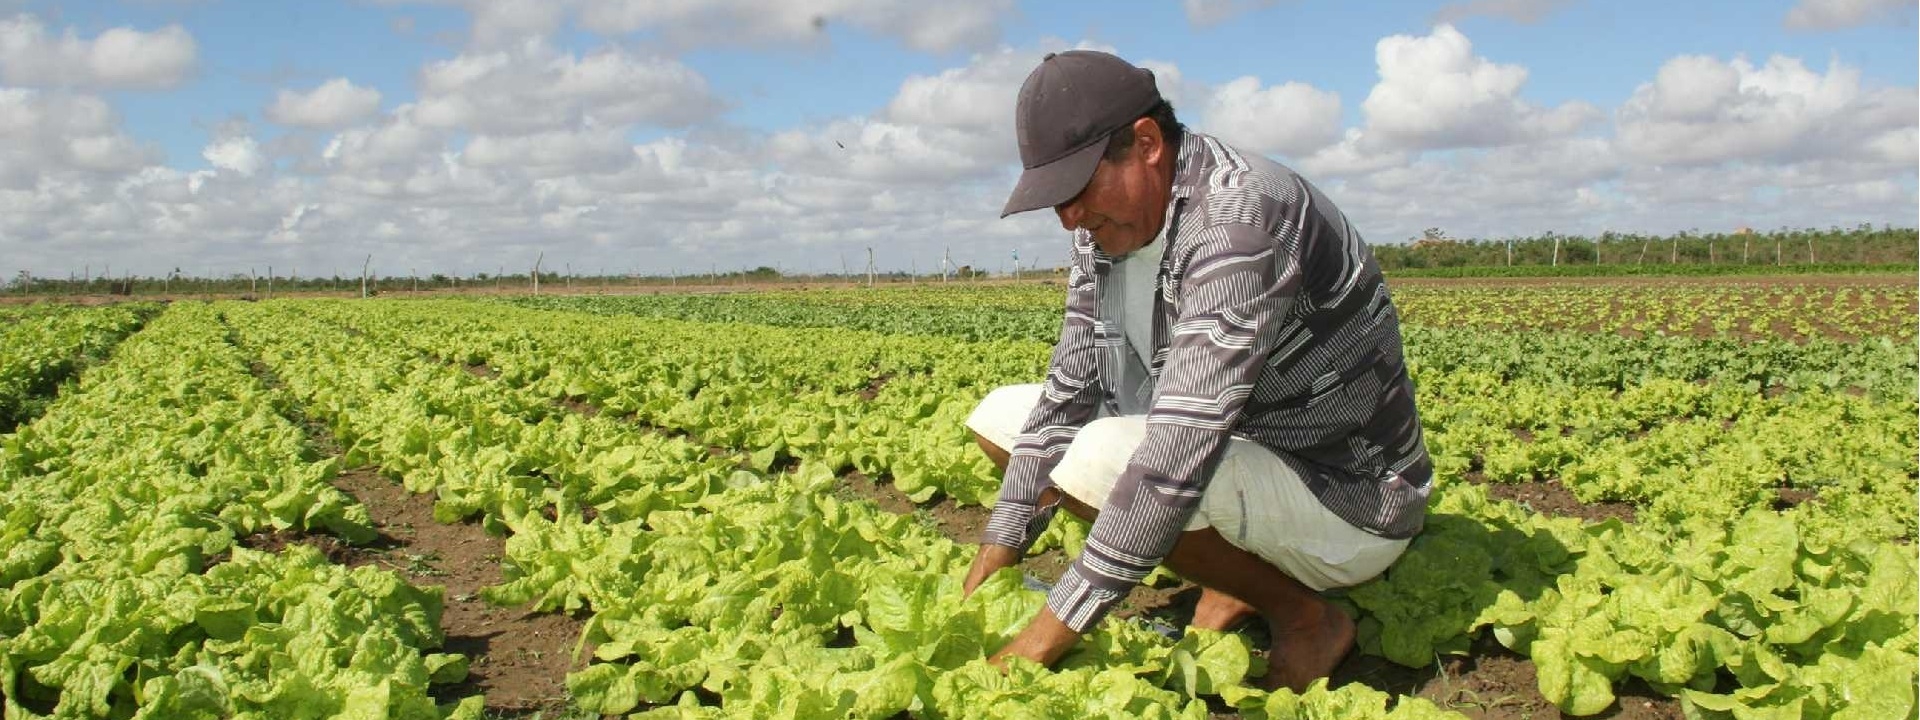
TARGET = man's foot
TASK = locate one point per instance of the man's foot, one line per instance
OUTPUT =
(1220, 611)
(1307, 647)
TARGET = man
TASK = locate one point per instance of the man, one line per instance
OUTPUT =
(1228, 395)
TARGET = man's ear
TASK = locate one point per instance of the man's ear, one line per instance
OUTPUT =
(1146, 135)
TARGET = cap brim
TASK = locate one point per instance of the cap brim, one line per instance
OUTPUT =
(1055, 182)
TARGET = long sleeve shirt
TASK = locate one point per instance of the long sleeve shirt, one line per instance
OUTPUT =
(1272, 323)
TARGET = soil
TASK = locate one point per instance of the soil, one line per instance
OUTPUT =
(1492, 683)
(337, 551)
(1788, 497)
(584, 408)
(956, 523)
(873, 387)
(1549, 497)
(519, 661)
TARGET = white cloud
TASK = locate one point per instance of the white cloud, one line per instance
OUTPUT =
(1352, 155)
(1213, 12)
(955, 125)
(1293, 119)
(334, 104)
(1521, 11)
(397, 139)
(1434, 93)
(507, 22)
(1705, 144)
(497, 23)
(935, 27)
(46, 136)
(395, 158)
(119, 58)
(933, 122)
(1587, 184)
(1700, 110)
(881, 151)
(1174, 86)
(289, 230)
(536, 88)
(518, 150)
(553, 153)
(239, 154)
(1567, 163)
(979, 96)
(1837, 14)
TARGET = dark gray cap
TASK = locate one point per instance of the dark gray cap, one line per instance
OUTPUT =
(1068, 107)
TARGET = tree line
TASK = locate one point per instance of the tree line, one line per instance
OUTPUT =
(1860, 248)
(1860, 245)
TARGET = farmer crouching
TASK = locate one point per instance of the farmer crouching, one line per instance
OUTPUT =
(1228, 395)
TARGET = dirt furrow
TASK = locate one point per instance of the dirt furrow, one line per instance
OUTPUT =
(518, 660)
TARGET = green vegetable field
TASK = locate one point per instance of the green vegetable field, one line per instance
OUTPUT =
(1655, 499)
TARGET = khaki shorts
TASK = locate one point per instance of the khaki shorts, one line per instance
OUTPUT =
(1255, 500)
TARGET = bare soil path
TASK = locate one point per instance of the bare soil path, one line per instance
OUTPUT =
(517, 660)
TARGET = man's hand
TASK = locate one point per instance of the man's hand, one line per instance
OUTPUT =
(1044, 641)
(990, 560)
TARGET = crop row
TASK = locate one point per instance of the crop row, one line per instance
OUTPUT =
(1880, 366)
(1759, 611)
(1722, 311)
(1878, 369)
(879, 404)
(127, 588)
(1019, 314)
(1678, 450)
(1672, 446)
(44, 344)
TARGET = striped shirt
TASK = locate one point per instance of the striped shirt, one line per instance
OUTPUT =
(1272, 323)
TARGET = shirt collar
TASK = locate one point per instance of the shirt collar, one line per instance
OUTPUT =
(1186, 169)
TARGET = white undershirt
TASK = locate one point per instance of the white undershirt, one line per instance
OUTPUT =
(1139, 272)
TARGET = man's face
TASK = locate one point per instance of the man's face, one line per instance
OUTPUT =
(1125, 202)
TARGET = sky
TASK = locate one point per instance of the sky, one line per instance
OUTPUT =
(660, 137)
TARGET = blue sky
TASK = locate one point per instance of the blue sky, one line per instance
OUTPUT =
(719, 151)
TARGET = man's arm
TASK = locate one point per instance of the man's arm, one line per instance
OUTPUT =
(1236, 293)
(1070, 398)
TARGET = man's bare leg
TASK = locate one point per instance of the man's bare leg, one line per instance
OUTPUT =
(1310, 635)
(1220, 611)
(998, 455)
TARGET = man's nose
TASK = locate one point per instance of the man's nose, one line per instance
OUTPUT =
(1069, 213)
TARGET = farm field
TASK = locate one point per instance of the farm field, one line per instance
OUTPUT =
(1654, 500)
